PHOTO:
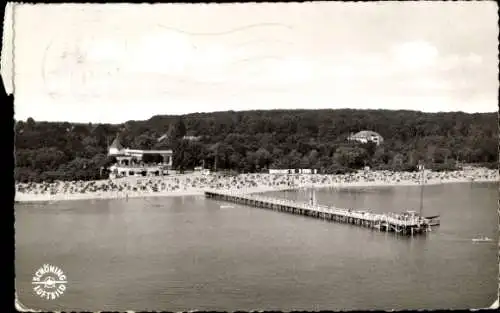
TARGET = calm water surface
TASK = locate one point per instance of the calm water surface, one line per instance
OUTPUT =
(189, 253)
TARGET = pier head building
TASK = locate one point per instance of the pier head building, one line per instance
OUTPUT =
(131, 162)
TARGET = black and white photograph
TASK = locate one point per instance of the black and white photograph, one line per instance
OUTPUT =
(277, 156)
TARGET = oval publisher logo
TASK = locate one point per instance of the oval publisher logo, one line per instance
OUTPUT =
(49, 282)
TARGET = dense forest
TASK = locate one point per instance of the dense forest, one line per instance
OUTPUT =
(252, 141)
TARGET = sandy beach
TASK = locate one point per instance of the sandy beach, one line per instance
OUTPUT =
(196, 184)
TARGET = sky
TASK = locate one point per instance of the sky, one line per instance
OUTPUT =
(117, 62)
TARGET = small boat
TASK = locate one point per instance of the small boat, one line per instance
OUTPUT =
(482, 239)
(226, 206)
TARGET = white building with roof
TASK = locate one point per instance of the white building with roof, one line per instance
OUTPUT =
(366, 136)
(130, 161)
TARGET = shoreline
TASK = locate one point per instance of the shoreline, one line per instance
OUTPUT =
(103, 195)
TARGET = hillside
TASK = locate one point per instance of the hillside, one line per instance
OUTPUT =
(251, 140)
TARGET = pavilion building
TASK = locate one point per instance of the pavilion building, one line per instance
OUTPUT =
(130, 161)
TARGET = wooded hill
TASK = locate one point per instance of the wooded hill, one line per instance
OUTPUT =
(250, 141)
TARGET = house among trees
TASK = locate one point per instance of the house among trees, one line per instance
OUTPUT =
(138, 162)
(366, 136)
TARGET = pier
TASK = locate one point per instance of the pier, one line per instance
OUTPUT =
(406, 223)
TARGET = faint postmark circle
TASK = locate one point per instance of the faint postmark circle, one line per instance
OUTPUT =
(76, 67)
(49, 282)
(64, 66)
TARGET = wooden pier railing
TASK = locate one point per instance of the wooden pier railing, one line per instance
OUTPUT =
(406, 224)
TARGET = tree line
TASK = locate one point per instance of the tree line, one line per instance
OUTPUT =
(252, 141)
